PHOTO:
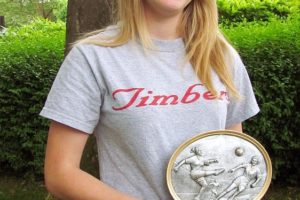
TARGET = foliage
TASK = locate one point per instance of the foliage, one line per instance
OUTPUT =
(271, 53)
(19, 12)
(60, 11)
(232, 11)
(29, 59)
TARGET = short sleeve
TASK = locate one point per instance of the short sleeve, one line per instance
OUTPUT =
(246, 106)
(75, 97)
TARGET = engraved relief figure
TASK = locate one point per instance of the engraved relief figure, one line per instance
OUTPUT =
(239, 184)
(197, 163)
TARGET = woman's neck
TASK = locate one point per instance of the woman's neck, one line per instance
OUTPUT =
(164, 28)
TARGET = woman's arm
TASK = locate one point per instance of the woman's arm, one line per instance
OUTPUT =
(63, 176)
(236, 127)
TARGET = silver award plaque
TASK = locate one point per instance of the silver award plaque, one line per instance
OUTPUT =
(219, 165)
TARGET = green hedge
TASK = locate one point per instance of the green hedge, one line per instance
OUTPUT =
(29, 59)
(232, 11)
(272, 54)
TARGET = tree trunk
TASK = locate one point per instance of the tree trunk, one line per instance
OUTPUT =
(2, 22)
(84, 16)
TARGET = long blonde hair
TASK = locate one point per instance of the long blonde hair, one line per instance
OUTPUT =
(206, 47)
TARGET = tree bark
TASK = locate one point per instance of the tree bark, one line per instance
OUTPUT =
(2, 22)
(84, 16)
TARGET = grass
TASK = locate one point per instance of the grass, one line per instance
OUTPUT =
(18, 189)
(281, 192)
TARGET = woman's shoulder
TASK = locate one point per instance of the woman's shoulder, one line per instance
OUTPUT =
(101, 37)
(234, 61)
(96, 40)
(106, 33)
(232, 54)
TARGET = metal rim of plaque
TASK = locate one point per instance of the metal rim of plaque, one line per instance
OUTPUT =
(219, 165)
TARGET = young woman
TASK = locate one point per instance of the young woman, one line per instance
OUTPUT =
(161, 75)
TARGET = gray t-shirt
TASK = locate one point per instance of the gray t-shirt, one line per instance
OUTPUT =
(141, 105)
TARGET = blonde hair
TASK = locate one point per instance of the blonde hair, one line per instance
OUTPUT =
(206, 47)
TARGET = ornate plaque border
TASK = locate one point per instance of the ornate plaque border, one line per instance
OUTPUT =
(214, 133)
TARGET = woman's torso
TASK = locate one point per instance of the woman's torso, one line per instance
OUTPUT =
(151, 104)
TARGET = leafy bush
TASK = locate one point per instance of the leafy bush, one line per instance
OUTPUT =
(232, 11)
(271, 53)
(29, 59)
